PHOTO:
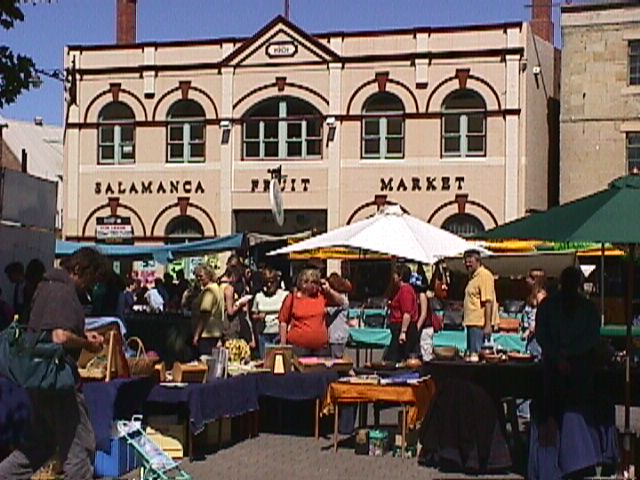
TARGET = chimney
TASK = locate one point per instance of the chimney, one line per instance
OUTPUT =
(126, 21)
(542, 19)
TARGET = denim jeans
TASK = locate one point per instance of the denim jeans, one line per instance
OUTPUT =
(265, 339)
(475, 339)
(533, 348)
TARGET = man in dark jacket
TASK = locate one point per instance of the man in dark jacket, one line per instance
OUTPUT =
(60, 422)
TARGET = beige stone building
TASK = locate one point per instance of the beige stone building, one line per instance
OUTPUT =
(177, 139)
(600, 113)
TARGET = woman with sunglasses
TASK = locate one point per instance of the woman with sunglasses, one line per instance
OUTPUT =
(302, 316)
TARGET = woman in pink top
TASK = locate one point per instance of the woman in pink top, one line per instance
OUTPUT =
(403, 316)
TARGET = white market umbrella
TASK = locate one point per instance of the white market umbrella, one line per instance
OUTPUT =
(391, 232)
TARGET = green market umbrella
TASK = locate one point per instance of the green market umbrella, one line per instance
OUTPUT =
(608, 216)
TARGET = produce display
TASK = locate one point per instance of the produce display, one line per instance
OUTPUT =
(239, 350)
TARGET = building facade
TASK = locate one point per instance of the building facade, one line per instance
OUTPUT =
(35, 148)
(600, 99)
(456, 125)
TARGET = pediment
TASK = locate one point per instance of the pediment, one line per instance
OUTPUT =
(280, 42)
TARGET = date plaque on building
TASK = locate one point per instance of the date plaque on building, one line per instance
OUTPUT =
(281, 49)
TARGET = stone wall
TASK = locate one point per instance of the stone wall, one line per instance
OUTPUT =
(597, 105)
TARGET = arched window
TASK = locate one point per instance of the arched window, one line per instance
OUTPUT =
(463, 224)
(116, 134)
(464, 124)
(283, 127)
(185, 132)
(383, 126)
(182, 229)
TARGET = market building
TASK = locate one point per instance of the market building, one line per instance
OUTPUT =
(176, 140)
(599, 122)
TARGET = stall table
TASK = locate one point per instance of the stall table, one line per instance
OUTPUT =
(235, 396)
(413, 398)
(368, 339)
(106, 401)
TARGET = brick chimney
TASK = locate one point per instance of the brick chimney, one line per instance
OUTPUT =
(542, 19)
(126, 21)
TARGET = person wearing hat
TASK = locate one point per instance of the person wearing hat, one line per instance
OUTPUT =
(338, 316)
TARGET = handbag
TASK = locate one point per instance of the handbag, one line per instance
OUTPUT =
(33, 361)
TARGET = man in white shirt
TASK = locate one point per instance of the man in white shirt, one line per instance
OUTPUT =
(154, 300)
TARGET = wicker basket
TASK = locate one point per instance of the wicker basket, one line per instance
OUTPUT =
(445, 353)
(140, 365)
(96, 369)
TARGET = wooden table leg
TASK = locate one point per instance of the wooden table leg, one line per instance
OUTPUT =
(335, 428)
(404, 430)
(317, 420)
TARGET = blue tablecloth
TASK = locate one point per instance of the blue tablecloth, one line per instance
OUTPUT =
(106, 402)
(455, 338)
(118, 399)
(367, 312)
(296, 386)
(15, 413)
(370, 337)
(381, 337)
(208, 402)
(235, 396)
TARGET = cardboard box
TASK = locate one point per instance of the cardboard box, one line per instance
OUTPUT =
(120, 460)
(218, 433)
(169, 433)
(189, 372)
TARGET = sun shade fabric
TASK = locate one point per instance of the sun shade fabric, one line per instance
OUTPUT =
(390, 232)
(609, 216)
(230, 242)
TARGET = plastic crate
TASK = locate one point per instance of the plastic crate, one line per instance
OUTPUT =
(120, 460)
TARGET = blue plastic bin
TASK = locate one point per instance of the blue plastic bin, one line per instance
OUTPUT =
(120, 460)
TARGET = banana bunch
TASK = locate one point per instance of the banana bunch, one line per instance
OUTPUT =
(239, 350)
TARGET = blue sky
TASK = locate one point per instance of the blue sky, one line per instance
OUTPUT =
(49, 27)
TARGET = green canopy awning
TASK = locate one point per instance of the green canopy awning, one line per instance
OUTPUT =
(608, 216)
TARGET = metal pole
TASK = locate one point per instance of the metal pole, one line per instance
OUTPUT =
(602, 284)
(626, 443)
(287, 9)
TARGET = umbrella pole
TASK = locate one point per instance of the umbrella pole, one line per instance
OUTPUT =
(602, 284)
(626, 444)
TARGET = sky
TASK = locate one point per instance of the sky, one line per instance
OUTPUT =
(50, 25)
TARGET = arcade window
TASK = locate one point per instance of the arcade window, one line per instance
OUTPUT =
(464, 125)
(463, 224)
(634, 62)
(185, 132)
(116, 134)
(283, 127)
(633, 152)
(383, 127)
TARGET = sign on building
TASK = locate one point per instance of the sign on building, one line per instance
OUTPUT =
(114, 230)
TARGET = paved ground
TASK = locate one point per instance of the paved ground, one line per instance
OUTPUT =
(285, 457)
(288, 457)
